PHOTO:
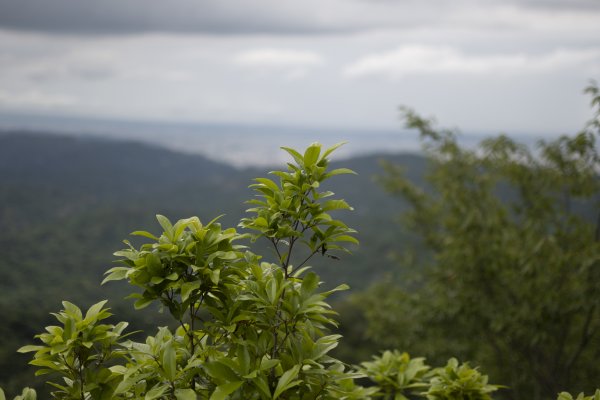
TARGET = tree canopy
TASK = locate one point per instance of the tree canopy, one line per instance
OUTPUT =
(514, 276)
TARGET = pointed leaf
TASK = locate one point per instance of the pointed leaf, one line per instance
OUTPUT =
(156, 392)
(187, 288)
(185, 394)
(164, 222)
(332, 149)
(224, 390)
(169, 362)
(286, 381)
(144, 234)
(311, 155)
(297, 156)
(268, 183)
(339, 171)
(29, 348)
(94, 310)
(115, 274)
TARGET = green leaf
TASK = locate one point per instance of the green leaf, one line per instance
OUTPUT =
(266, 363)
(29, 348)
(286, 381)
(45, 363)
(309, 283)
(187, 288)
(94, 310)
(297, 156)
(115, 274)
(224, 390)
(215, 276)
(260, 221)
(164, 222)
(268, 183)
(219, 370)
(335, 205)
(72, 310)
(156, 392)
(185, 394)
(144, 234)
(28, 394)
(142, 303)
(344, 238)
(332, 149)
(338, 288)
(339, 171)
(169, 361)
(263, 386)
(311, 154)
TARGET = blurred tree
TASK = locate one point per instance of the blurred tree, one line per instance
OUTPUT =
(514, 281)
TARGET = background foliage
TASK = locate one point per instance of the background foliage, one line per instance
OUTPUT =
(515, 274)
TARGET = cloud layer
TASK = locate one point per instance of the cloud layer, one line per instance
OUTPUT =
(424, 60)
(254, 16)
(478, 64)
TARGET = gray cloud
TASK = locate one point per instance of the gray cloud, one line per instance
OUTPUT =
(561, 4)
(177, 16)
(478, 64)
(244, 17)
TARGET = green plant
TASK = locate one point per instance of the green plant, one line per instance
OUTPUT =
(459, 382)
(400, 377)
(27, 394)
(396, 374)
(581, 396)
(247, 328)
(79, 351)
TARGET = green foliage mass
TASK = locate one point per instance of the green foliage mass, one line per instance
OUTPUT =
(66, 203)
(513, 281)
(247, 329)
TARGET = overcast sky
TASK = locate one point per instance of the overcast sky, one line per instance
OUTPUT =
(484, 66)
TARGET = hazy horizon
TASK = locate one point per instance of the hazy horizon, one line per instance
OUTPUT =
(236, 144)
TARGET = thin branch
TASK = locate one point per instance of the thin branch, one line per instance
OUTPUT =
(305, 260)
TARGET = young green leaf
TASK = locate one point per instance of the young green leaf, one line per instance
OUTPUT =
(311, 155)
(286, 381)
(224, 390)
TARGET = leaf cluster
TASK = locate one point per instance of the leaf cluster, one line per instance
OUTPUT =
(401, 377)
(293, 211)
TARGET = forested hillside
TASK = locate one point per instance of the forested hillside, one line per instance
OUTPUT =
(67, 202)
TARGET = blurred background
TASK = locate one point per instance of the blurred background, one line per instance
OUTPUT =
(113, 111)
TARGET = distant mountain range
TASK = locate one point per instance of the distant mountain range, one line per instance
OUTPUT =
(237, 145)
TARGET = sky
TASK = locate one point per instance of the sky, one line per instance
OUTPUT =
(482, 66)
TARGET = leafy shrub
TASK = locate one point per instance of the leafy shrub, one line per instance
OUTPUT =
(247, 328)
(400, 377)
(581, 396)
